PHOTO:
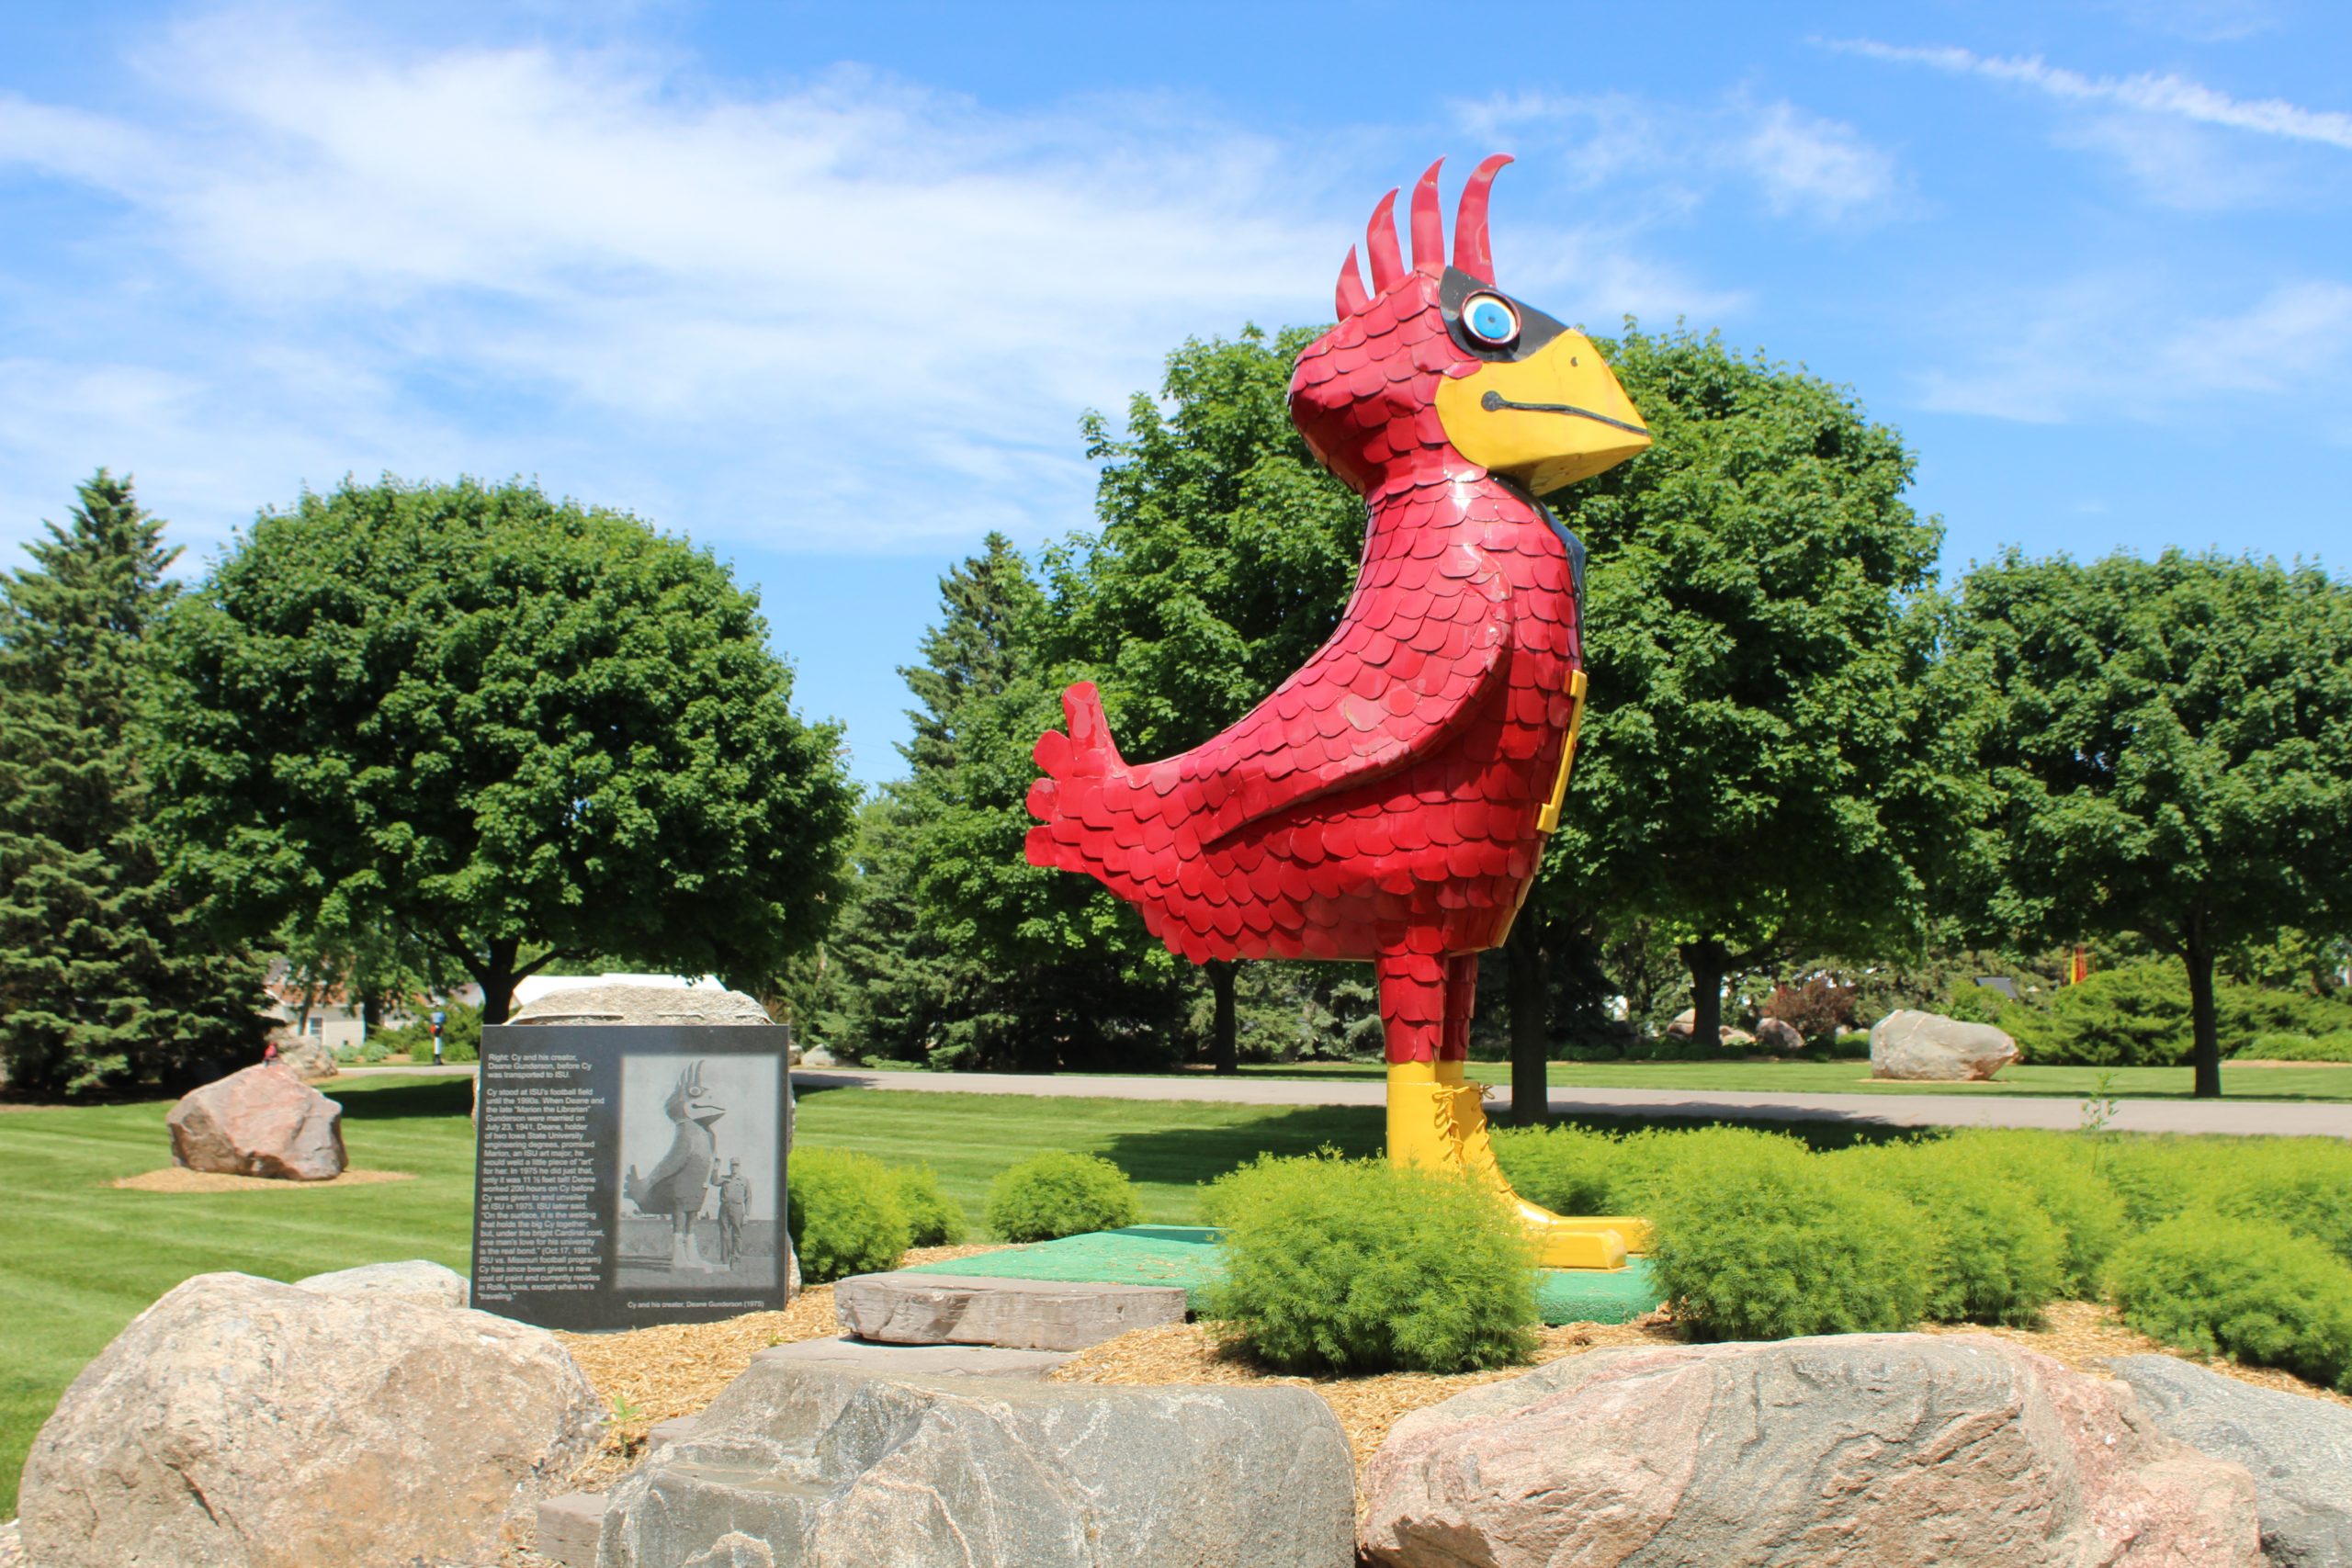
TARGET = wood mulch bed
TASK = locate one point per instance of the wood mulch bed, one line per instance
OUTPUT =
(172, 1179)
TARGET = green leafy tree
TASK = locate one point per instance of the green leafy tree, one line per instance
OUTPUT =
(953, 948)
(2173, 752)
(1225, 556)
(515, 729)
(1768, 762)
(107, 980)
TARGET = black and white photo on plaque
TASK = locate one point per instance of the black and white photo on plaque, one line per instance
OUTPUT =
(631, 1174)
(696, 1208)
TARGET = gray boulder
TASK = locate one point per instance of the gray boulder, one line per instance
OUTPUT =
(239, 1423)
(642, 1004)
(308, 1057)
(823, 1466)
(1836, 1452)
(1779, 1034)
(1930, 1047)
(260, 1120)
(2299, 1450)
(415, 1281)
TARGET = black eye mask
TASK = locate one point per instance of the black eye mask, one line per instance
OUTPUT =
(1535, 327)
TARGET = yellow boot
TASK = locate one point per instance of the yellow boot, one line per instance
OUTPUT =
(1437, 1121)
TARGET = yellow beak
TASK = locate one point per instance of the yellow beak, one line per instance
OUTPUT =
(1547, 421)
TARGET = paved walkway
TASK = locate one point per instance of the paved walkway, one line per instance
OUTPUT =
(2301, 1118)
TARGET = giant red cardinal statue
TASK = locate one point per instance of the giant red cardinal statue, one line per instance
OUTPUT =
(1390, 800)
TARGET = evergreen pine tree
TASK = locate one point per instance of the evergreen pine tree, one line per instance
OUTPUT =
(107, 980)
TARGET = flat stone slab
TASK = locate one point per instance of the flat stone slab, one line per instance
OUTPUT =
(919, 1361)
(906, 1308)
(568, 1527)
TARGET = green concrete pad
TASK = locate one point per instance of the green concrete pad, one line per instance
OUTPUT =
(1185, 1255)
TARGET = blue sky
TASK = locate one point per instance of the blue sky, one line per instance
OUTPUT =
(828, 288)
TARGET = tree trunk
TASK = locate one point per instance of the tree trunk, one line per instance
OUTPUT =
(2204, 1022)
(1527, 990)
(1707, 958)
(1221, 1030)
(497, 978)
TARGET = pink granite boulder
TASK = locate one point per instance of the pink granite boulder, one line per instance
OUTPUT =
(261, 1121)
(1852, 1450)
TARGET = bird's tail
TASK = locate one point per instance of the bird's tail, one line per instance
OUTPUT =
(1075, 803)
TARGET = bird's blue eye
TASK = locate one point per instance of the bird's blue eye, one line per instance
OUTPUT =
(1490, 319)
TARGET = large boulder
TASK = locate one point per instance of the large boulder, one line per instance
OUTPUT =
(260, 1120)
(2299, 1450)
(306, 1055)
(820, 1465)
(1779, 1034)
(239, 1423)
(414, 1281)
(640, 1004)
(1878, 1449)
(1926, 1046)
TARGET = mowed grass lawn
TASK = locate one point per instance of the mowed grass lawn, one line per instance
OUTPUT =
(2291, 1082)
(84, 1256)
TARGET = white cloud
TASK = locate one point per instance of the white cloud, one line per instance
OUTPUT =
(2087, 351)
(2149, 93)
(1807, 164)
(2199, 21)
(1800, 163)
(847, 312)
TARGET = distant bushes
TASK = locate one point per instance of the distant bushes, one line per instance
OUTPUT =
(1359, 1266)
(2137, 1016)
(1061, 1193)
(460, 1037)
(2333, 1046)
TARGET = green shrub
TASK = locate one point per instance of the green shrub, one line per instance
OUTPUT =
(1357, 1266)
(1854, 1044)
(1059, 1194)
(2253, 1289)
(2304, 1184)
(2062, 1171)
(934, 1218)
(2137, 1015)
(1996, 1257)
(2276, 1047)
(374, 1050)
(1567, 1169)
(846, 1218)
(2333, 1046)
(1758, 1239)
(2159, 1177)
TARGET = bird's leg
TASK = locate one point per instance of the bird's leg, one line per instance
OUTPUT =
(1561, 1242)
(1412, 1015)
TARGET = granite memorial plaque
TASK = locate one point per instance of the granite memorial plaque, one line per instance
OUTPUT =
(629, 1174)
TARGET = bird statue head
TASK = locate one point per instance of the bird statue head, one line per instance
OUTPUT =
(689, 1102)
(1437, 365)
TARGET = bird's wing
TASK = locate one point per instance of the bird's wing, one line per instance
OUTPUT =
(680, 1151)
(1419, 643)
